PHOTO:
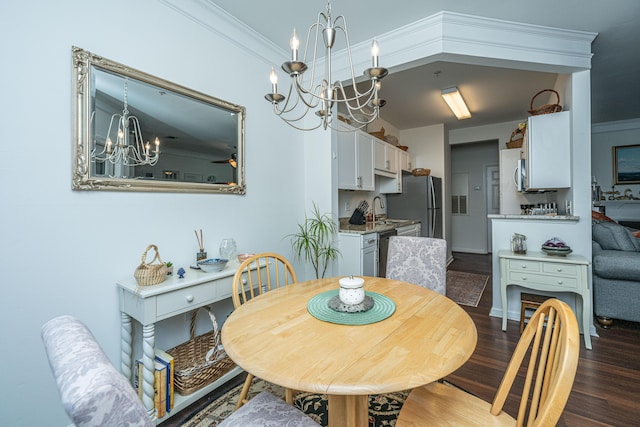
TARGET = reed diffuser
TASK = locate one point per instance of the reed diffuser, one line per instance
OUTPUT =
(202, 254)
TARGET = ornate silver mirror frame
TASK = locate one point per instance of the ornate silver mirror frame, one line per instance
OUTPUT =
(200, 138)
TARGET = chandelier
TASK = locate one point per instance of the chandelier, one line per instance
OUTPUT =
(129, 148)
(361, 108)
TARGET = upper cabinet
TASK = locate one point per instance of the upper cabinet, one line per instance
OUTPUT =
(546, 151)
(405, 161)
(355, 159)
(386, 158)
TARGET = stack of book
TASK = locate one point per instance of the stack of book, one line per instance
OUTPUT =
(163, 388)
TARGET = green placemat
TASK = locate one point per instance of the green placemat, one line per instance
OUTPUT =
(383, 307)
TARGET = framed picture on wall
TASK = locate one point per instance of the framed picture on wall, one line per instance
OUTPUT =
(626, 164)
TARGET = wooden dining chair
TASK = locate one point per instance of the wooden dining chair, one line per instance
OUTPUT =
(548, 349)
(258, 274)
(418, 260)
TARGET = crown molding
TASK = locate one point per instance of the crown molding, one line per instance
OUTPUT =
(620, 125)
(478, 40)
(218, 21)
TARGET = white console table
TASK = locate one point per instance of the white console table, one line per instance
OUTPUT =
(150, 304)
(537, 270)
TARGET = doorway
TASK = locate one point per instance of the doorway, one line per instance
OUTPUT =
(470, 232)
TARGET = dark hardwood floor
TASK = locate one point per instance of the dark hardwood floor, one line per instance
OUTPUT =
(606, 390)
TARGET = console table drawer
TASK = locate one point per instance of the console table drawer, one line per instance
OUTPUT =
(186, 299)
(568, 270)
(558, 283)
(523, 265)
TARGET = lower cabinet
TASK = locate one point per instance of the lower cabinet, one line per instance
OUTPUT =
(359, 254)
(414, 230)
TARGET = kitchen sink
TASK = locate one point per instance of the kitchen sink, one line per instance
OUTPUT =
(392, 221)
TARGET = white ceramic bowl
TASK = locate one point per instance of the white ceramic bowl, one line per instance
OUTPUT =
(212, 264)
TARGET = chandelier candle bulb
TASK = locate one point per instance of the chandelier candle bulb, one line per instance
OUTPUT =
(274, 80)
(295, 44)
(375, 51)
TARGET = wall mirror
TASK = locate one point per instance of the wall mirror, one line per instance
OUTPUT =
(136, 132)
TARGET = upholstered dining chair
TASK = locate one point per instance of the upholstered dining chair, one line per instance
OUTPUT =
(267, 410)
(258, 274)
(418, 260)
(92, 391)
(548, 349)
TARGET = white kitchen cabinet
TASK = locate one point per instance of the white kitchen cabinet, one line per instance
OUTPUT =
(355, 159)
(547, 151)
(414, 230)
(385, 158)
(359, 254)
(405, 161)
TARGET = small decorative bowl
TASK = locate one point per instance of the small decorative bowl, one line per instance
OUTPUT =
(244, 257)
(212, 264)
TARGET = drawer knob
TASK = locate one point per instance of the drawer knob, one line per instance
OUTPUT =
(559, 270)
(244, 280)
(524, 266)
(559, 282)
(189, 298)
(524, 277)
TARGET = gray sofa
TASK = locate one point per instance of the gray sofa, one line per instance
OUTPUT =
(616, 273)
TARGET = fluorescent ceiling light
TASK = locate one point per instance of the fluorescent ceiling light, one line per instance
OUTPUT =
(456, 103)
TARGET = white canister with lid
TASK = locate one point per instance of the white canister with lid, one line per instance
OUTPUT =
(351, 290)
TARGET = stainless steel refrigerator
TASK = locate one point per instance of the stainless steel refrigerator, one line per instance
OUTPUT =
(421, 199)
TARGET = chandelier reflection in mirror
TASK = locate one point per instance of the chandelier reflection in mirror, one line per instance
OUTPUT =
(129, 149)
(361, 108)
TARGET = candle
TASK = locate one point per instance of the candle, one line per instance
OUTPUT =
(274, 80)
(294, 42)
(375, 50)
(157, 141)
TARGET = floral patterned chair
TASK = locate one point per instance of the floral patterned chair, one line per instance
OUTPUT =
(267, 410)
(93, 392)
(418, 260)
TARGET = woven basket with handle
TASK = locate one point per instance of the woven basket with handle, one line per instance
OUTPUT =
(153, 272)
(547, 108)
(200, 360)
(517, 136)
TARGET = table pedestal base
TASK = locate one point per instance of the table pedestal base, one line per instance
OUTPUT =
(348, 411)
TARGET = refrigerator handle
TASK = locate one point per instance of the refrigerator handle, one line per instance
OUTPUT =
(515, 176)
(432, 196)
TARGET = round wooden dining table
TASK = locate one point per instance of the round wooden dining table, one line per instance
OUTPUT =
(275, 337)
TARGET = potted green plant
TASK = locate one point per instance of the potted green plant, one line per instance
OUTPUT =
(314, 241)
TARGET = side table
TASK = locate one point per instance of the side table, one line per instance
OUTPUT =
(539, 271)
(150, 304)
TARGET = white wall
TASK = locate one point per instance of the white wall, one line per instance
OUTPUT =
(604, 138)
(61, 251)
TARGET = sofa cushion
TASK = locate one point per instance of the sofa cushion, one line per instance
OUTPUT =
(612, 236)
(620, 265)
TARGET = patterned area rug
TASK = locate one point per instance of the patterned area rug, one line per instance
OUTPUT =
(383, 408)
(466, 288)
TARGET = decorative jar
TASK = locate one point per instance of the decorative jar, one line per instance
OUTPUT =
(351, 290)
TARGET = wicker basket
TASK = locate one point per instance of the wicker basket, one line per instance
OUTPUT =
(421, 172)
(547, 108)
(517, 136)
(379, 134)
(150, 273)
(193, 370)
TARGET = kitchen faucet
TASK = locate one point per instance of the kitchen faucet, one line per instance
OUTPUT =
(373, 207)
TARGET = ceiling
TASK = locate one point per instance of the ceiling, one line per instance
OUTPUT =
(494, 95)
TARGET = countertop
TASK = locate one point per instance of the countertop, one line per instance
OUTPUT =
(535, 217)
(371, 227)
